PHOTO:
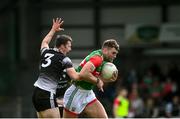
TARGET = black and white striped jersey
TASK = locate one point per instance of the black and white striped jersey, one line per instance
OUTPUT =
(51, 69)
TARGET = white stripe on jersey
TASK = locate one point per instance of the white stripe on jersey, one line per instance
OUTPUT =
(46, 84)
(43, 49)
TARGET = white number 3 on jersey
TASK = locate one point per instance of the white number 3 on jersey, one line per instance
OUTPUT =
(48, 59)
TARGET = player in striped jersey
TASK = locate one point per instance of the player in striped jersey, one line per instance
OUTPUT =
(53, 62)
(80, 97)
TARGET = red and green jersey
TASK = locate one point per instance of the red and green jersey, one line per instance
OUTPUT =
(96, 57)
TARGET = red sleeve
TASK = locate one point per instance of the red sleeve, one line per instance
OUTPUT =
(116, 102)
(96, 60)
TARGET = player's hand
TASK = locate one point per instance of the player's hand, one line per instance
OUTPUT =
(114, 76)
(57, 24)
(100, 85)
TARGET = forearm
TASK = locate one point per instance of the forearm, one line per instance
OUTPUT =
(48, 38)
(73, 74)
(88, 77)
(86, 73)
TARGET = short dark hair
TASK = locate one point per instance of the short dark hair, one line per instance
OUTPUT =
(62, 40)
(110, 43)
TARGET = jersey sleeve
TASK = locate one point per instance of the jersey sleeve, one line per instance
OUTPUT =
(116, 102)
(67, 63)
(43, 49)
(96, 60)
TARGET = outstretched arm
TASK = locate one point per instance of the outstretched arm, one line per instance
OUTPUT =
(55, 27)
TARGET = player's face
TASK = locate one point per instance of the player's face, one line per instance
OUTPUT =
(68, 47)
(110, 54)
(124, 93)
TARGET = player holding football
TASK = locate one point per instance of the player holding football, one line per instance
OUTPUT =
(79, 97)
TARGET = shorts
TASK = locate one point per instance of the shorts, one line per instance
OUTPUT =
(43, 99)
(76, 99)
